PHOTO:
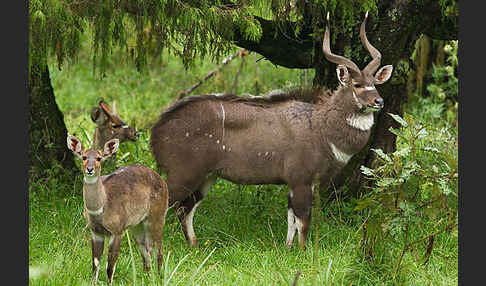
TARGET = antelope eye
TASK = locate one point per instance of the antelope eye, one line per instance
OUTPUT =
(84, 158)
(98, 159)
(358, 85)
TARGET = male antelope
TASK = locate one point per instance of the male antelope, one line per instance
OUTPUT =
(134, 196)
(294, 138)
(109, 125)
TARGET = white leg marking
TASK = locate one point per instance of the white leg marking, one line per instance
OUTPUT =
(188, 223)
(292, 227)
(97, 265)
(299, 225)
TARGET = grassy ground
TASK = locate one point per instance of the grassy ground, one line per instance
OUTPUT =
(241, 229)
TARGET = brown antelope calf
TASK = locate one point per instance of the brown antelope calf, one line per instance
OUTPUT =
(109, 126)
(132, 197)
(294, 138)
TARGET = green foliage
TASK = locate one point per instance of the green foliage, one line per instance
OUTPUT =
(414, 194)
(245, 226)
(449, 8)
(187, 29)
(444, 90)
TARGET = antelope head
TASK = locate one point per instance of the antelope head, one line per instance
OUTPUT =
(110, 125)
(360, 83)
(91, 158)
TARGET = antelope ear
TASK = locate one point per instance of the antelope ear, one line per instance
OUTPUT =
(110, 148)
(97, 116)
(74, 145)
(342, 74)
(106, 108)
(383, 74)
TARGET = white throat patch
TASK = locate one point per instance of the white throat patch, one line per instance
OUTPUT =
(96, 212)
(340, 155)
(361, 121)
(90, 180)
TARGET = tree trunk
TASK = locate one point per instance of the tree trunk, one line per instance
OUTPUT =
(392, 33)
(46, 123)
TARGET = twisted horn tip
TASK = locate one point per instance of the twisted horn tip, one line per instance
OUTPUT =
(366, 16)
(327, 17)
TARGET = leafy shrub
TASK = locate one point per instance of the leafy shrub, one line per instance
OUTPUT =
(444, 90)
(413, 197)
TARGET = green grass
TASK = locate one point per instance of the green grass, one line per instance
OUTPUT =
(241, 229)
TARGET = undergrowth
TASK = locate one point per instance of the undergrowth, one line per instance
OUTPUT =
(241, 229)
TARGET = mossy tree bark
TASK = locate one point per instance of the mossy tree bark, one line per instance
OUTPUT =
(47, 145)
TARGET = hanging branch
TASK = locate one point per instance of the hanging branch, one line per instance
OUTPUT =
(211, 73)
(235, 82)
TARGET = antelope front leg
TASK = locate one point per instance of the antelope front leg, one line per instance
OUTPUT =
(97, 245)
(186, 216)
(292, 227)
(299, 214)
(113, 250)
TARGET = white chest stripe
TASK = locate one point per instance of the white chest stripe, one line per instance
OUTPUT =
(340, 155)
(95, 212)
(361, 121)
(369, 87)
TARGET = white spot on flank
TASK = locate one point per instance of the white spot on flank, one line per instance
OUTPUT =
(361, 121)
(187, 134)
(259, 153)
(266, 153)
(340, 155)
(217, 141)
(224, 147)
(210, 135)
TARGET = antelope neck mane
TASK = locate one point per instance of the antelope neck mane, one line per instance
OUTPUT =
(302, 94)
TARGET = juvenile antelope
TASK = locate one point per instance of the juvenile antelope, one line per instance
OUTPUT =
(109, 125)
(132, 197)
(295, 138)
